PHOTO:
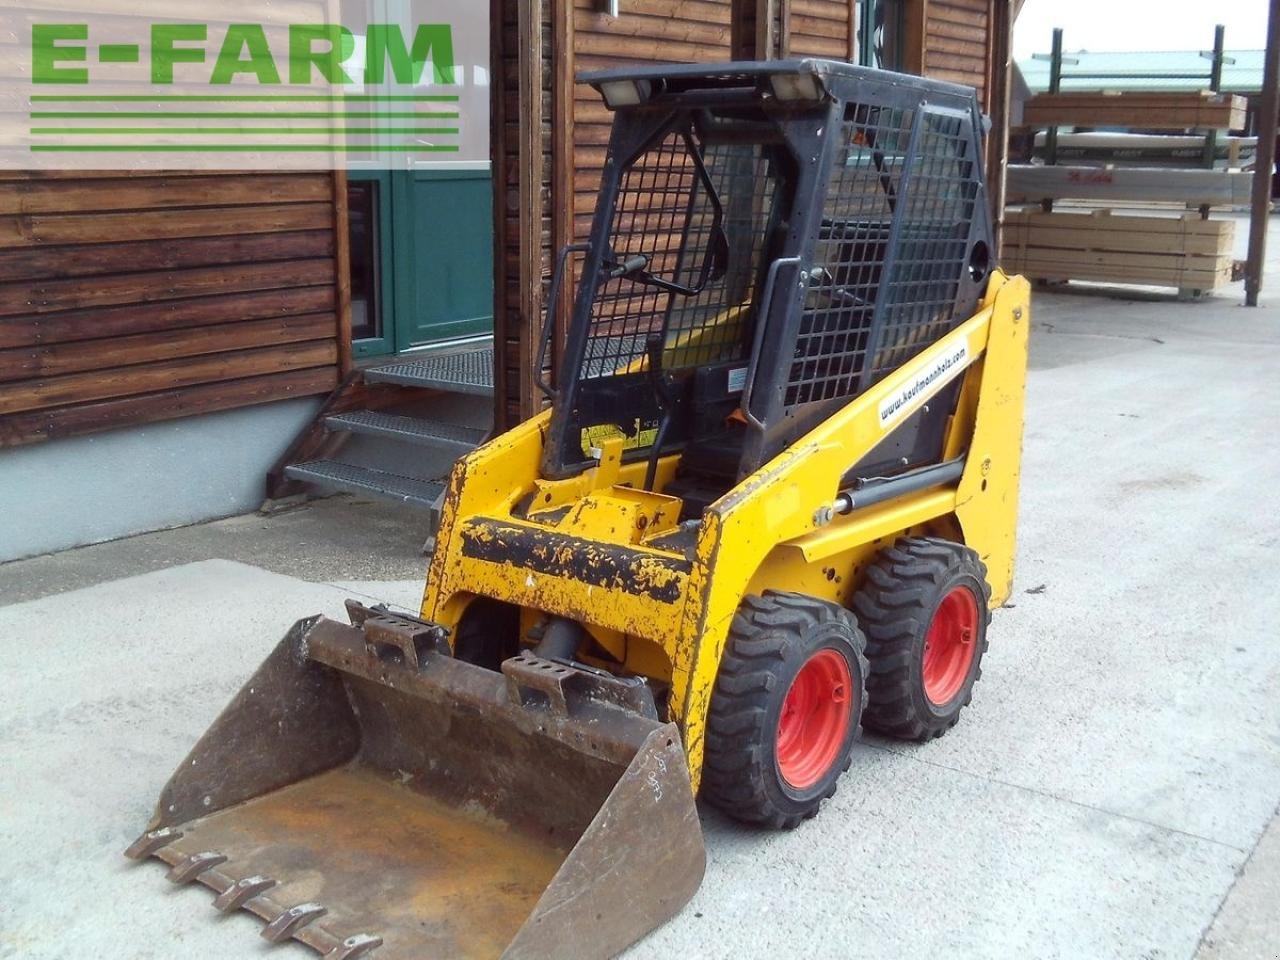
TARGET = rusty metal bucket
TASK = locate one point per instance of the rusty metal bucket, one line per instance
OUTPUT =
(368, 795)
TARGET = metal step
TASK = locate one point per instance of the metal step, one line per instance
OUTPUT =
(469, 372)
(346, 477)
(394, 426)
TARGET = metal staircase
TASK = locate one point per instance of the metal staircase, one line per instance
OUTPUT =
(393, 431)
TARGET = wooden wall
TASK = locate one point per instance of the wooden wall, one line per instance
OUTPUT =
(819, 28)
(128, 299)
(957, 42)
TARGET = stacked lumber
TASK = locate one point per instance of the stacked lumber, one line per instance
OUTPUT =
(1147, 149)
(1194, 188)
(1188, 253)
(1196, 110)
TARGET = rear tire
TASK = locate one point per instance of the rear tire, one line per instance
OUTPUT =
(786, 709)
(488, 633)
(925, 608)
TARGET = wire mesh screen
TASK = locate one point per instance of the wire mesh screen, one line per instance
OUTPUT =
(859, 324)
(684, 204)
(933, 236)
(836, 325)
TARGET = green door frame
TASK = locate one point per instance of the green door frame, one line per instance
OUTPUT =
(384, 343)
(400, 193)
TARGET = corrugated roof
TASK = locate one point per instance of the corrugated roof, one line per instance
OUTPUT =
(1147, 70)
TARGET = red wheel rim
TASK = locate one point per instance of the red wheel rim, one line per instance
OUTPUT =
(814, 720)
(949, 646)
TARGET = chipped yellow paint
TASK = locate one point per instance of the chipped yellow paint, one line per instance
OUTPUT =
(765, 533)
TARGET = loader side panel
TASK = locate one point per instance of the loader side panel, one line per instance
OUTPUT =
(987, 498)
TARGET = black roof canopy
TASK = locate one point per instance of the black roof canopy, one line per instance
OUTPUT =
(836, 78)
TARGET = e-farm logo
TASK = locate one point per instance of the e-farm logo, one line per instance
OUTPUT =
(232, 79)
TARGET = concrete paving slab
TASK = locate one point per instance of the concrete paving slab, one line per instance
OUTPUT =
(1247, 926)
(912, 858)
(337, 538)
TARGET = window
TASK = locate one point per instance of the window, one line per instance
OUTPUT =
(881, 32)
(366, 305)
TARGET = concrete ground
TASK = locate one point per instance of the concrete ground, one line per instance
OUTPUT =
(1112, 791)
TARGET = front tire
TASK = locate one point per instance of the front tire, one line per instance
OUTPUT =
(786, 709)
(925, 608)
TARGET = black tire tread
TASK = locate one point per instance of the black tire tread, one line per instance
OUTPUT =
(891, 606)
(764, 630)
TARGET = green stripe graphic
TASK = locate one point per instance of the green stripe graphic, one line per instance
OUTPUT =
(242, 98)
(244, 132)
(235, 115)
(236, 148)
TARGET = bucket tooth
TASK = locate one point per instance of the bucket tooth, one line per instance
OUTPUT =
(190, 867)
(150, 842)
(353, 947)
(292, 920)
(241, 892)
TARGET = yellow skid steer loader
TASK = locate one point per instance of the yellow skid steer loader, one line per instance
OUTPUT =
(773, 499)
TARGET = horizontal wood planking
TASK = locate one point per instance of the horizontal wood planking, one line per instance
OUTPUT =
(820, 28)
(47, 296)
(70, 421)
(61, 358)
(163, 315)
(150, 193)
(119, 288)
(1135, 240)
(17, 396)
(1126, 260)
(956, 42)
(74, 261)
(36, 230)
(1101, 230)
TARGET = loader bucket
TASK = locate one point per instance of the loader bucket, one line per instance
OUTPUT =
(368, 795)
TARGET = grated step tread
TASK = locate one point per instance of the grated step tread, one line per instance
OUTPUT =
(469, 372)
(347, 477)
(407, 429)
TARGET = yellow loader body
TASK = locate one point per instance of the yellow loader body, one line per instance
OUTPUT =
(594, 548)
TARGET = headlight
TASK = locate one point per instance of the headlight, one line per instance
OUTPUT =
(795, 86)
(625, 93)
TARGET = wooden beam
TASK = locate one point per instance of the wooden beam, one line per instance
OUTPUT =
(1261, 207)
(342, 270)
(1198, 187)
(913, 41)
(531, 177)
(499, 185)
(999, 87)
(1201, 110)
(563, 174)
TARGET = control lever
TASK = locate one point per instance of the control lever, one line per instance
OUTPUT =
(630, 265)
